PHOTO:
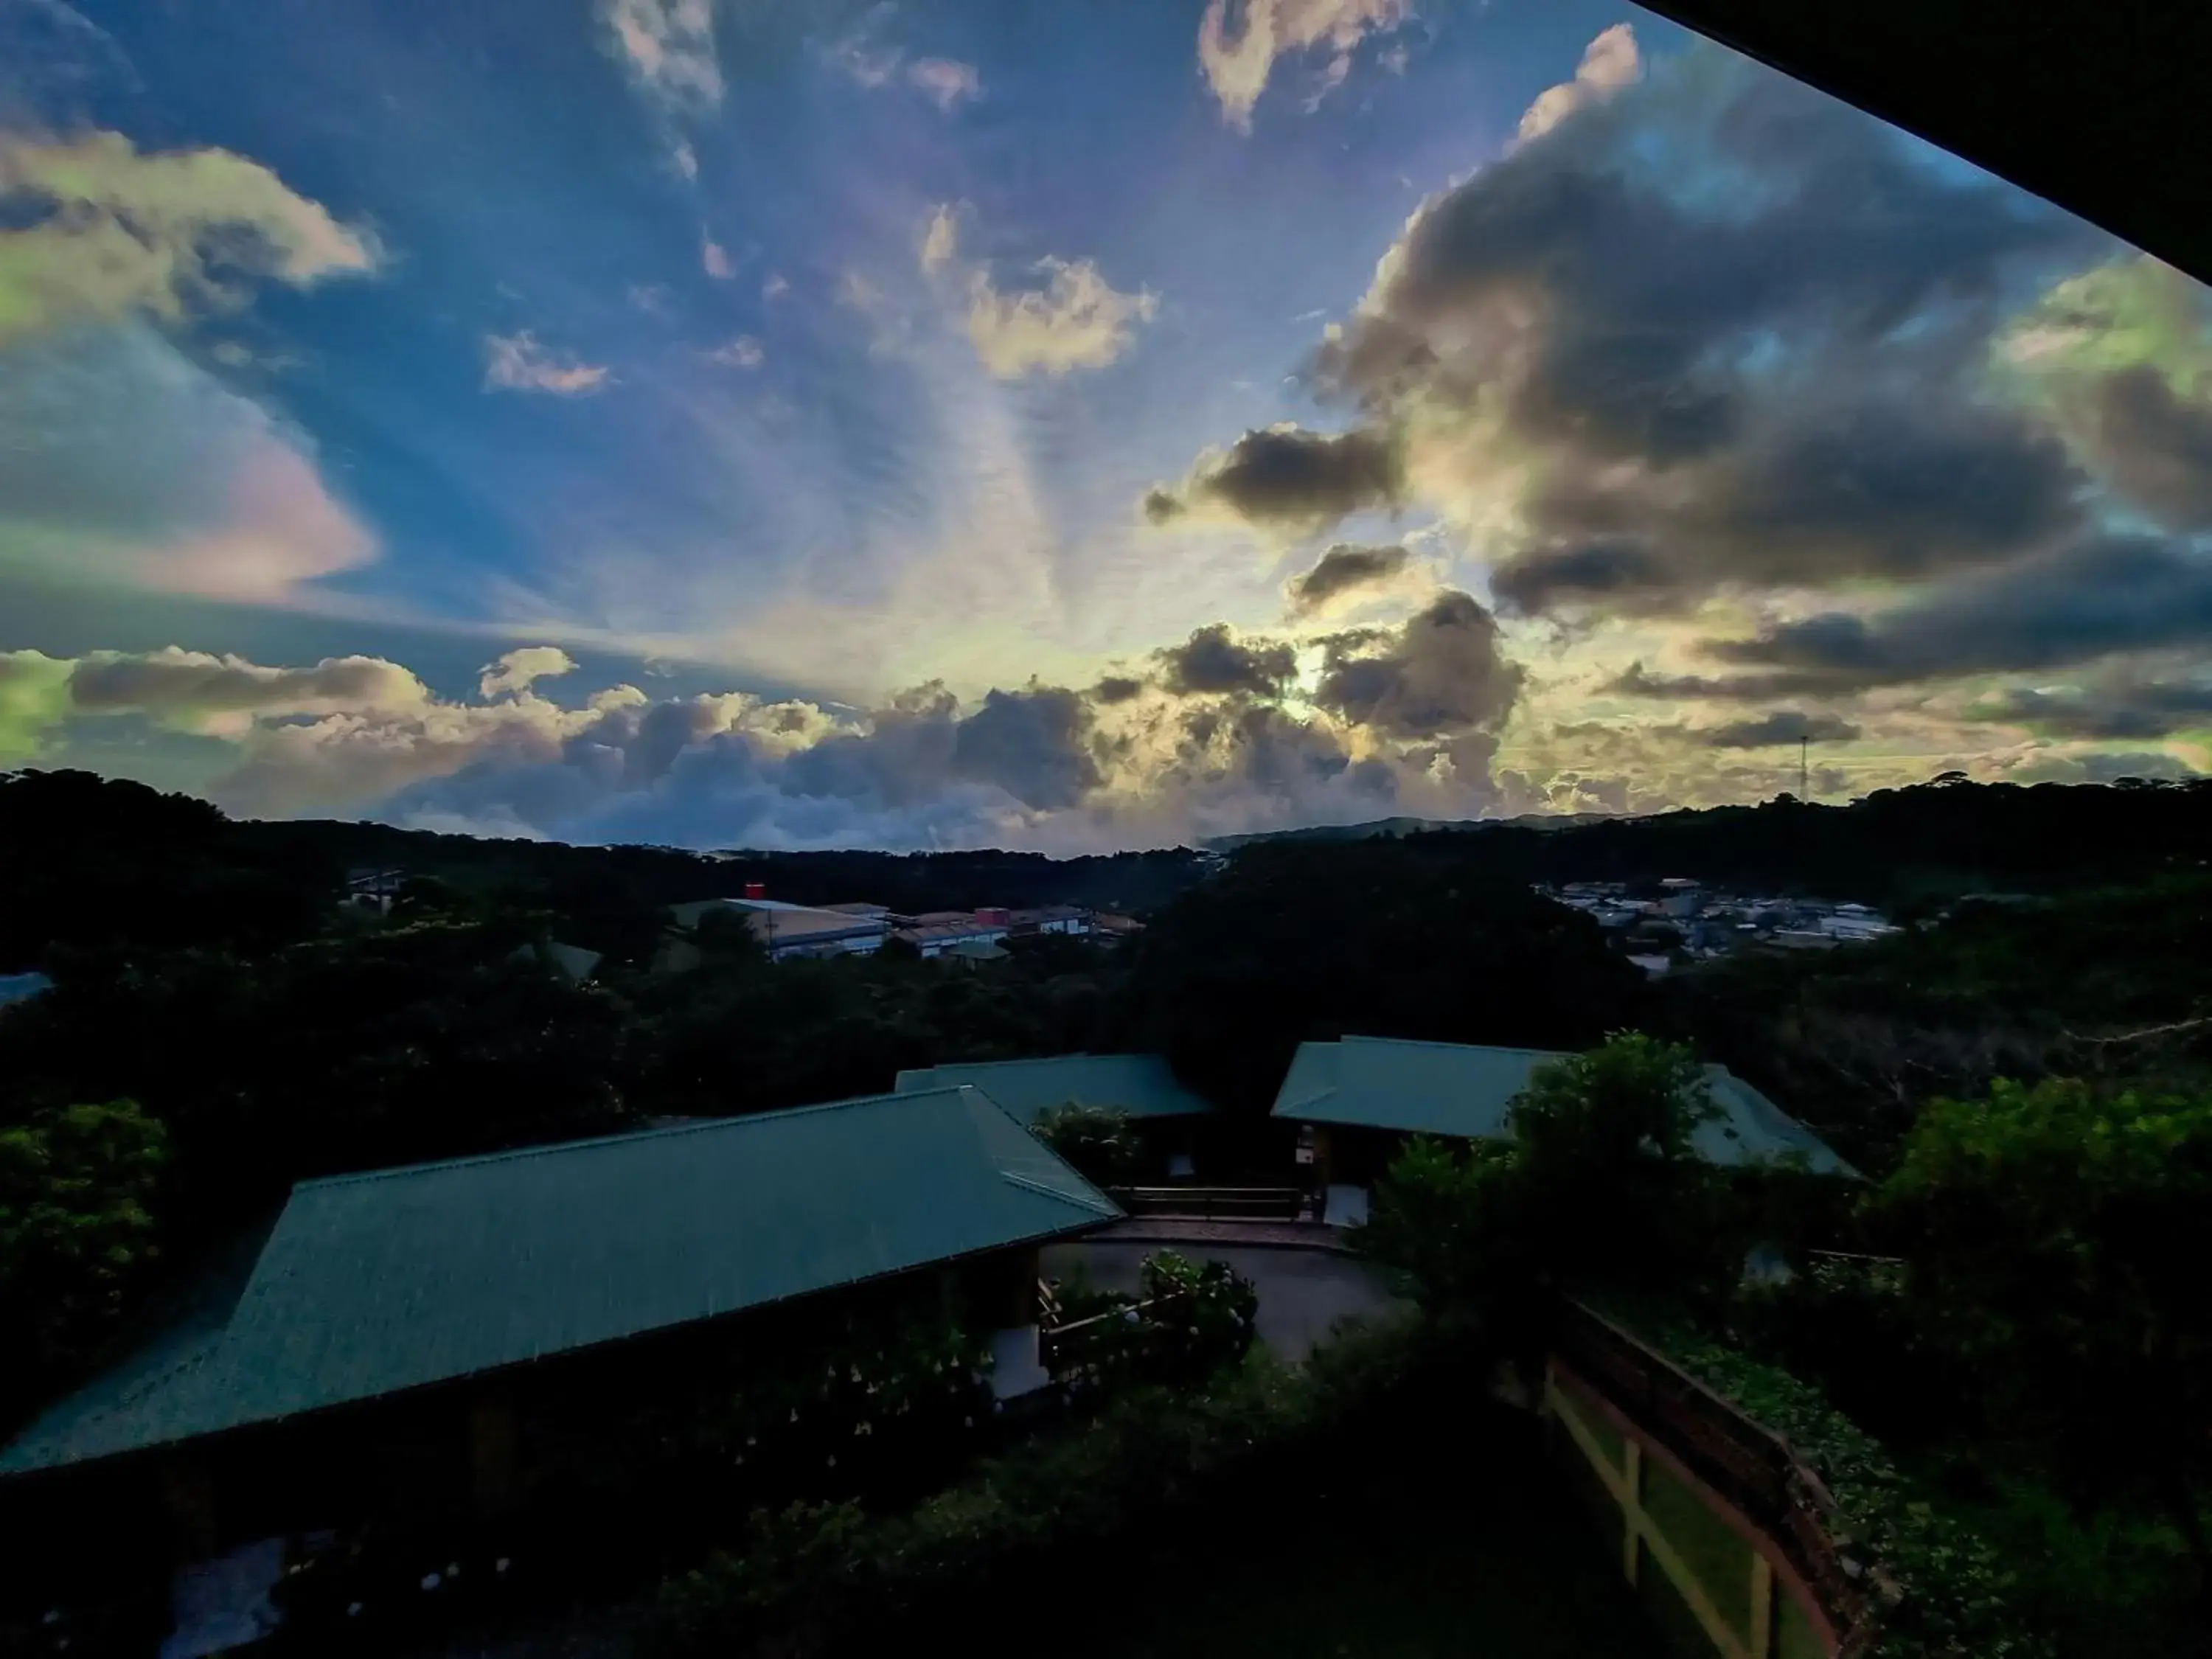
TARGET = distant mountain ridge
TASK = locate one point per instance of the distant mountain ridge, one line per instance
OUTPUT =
(1380, 828)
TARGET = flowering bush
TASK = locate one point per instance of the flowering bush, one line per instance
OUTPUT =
(1190, 1320)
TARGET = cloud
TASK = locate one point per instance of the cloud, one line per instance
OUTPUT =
(123, 462)
(2111, 595)
(1714, 335)
(1286, 478)
(1344, 568)
(521, 669)
(2154, 444)
(948, 83)
(2099, 767)
(1609, 62)
(1237, 62)
(1076, 320)
(1212, 662)
(667, 47)
(945, 81)
(2124, 707)
(1443, 674)
(775, 287)
(714, 259)
(94, 231)
(1116, 688)
(516, 362)
(940, 241)
(33, 697)
(1770, 731)
(743, 352)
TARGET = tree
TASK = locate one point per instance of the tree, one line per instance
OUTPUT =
(1299, 942)
(1600, 1188)
(2057, 1239)
(75, 1226)
(1098, 1140)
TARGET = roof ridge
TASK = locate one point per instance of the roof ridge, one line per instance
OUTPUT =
(547, 1148)
(1438, 1043)
(1105, 1206)
(1025, 1059)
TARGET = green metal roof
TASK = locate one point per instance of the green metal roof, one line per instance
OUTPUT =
(1465, 1091)
(1143, 1085)
(375, 1283)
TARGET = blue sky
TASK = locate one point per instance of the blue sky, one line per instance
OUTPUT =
(791, 381)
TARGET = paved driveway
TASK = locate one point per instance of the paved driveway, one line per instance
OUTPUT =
(1303, 1293)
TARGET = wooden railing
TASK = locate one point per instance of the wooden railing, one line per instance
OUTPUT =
(1212, 1203)
(1059, 1345)
(1751, 1468)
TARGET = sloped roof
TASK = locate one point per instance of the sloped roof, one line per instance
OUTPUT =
(375, 1283)
(1466, 1092)
(1143, 1085)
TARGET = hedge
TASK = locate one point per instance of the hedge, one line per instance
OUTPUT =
(1957, 1600)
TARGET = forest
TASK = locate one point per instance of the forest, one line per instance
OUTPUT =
(220, 1025)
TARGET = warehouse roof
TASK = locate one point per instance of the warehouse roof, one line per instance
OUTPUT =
(371, 1284)
(1466, 1092)
(1142, 1086)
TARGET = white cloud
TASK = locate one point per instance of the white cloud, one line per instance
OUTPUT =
(940, 241)
(1236, 65)
(668, 48)
(1609, 62)
(714, 259)
(743, 352)
(105, 232)
(123, 462)
(520, 669)
(947, 81)
(684, 160)
(1076, 319)
(775, 288)
(516, 362)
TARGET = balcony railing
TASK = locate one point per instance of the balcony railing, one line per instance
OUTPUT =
(1212, 1203)
(1751, 1468)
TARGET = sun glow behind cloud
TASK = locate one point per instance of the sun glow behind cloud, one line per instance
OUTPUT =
(1068, 487)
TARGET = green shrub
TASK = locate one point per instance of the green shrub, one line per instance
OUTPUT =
(1958, 1599)
(1098, 1140)
(818, 1574)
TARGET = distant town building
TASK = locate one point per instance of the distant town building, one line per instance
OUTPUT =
(788, 930)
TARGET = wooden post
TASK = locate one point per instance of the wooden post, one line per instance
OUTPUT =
(1762, 1607)
(1631, 1508)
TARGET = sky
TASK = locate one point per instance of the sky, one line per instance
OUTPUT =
(740, 424)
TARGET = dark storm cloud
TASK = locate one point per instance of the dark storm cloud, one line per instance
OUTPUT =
(1284, 476)
(1035, 744)
(1117, 687)
(1789, 726)
(2155, 446)
(1210, 662)
(2138, 711)
(1442, 673)
(1614, 572)
(1343, 568)
(2112, 595)
(1724, 332)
